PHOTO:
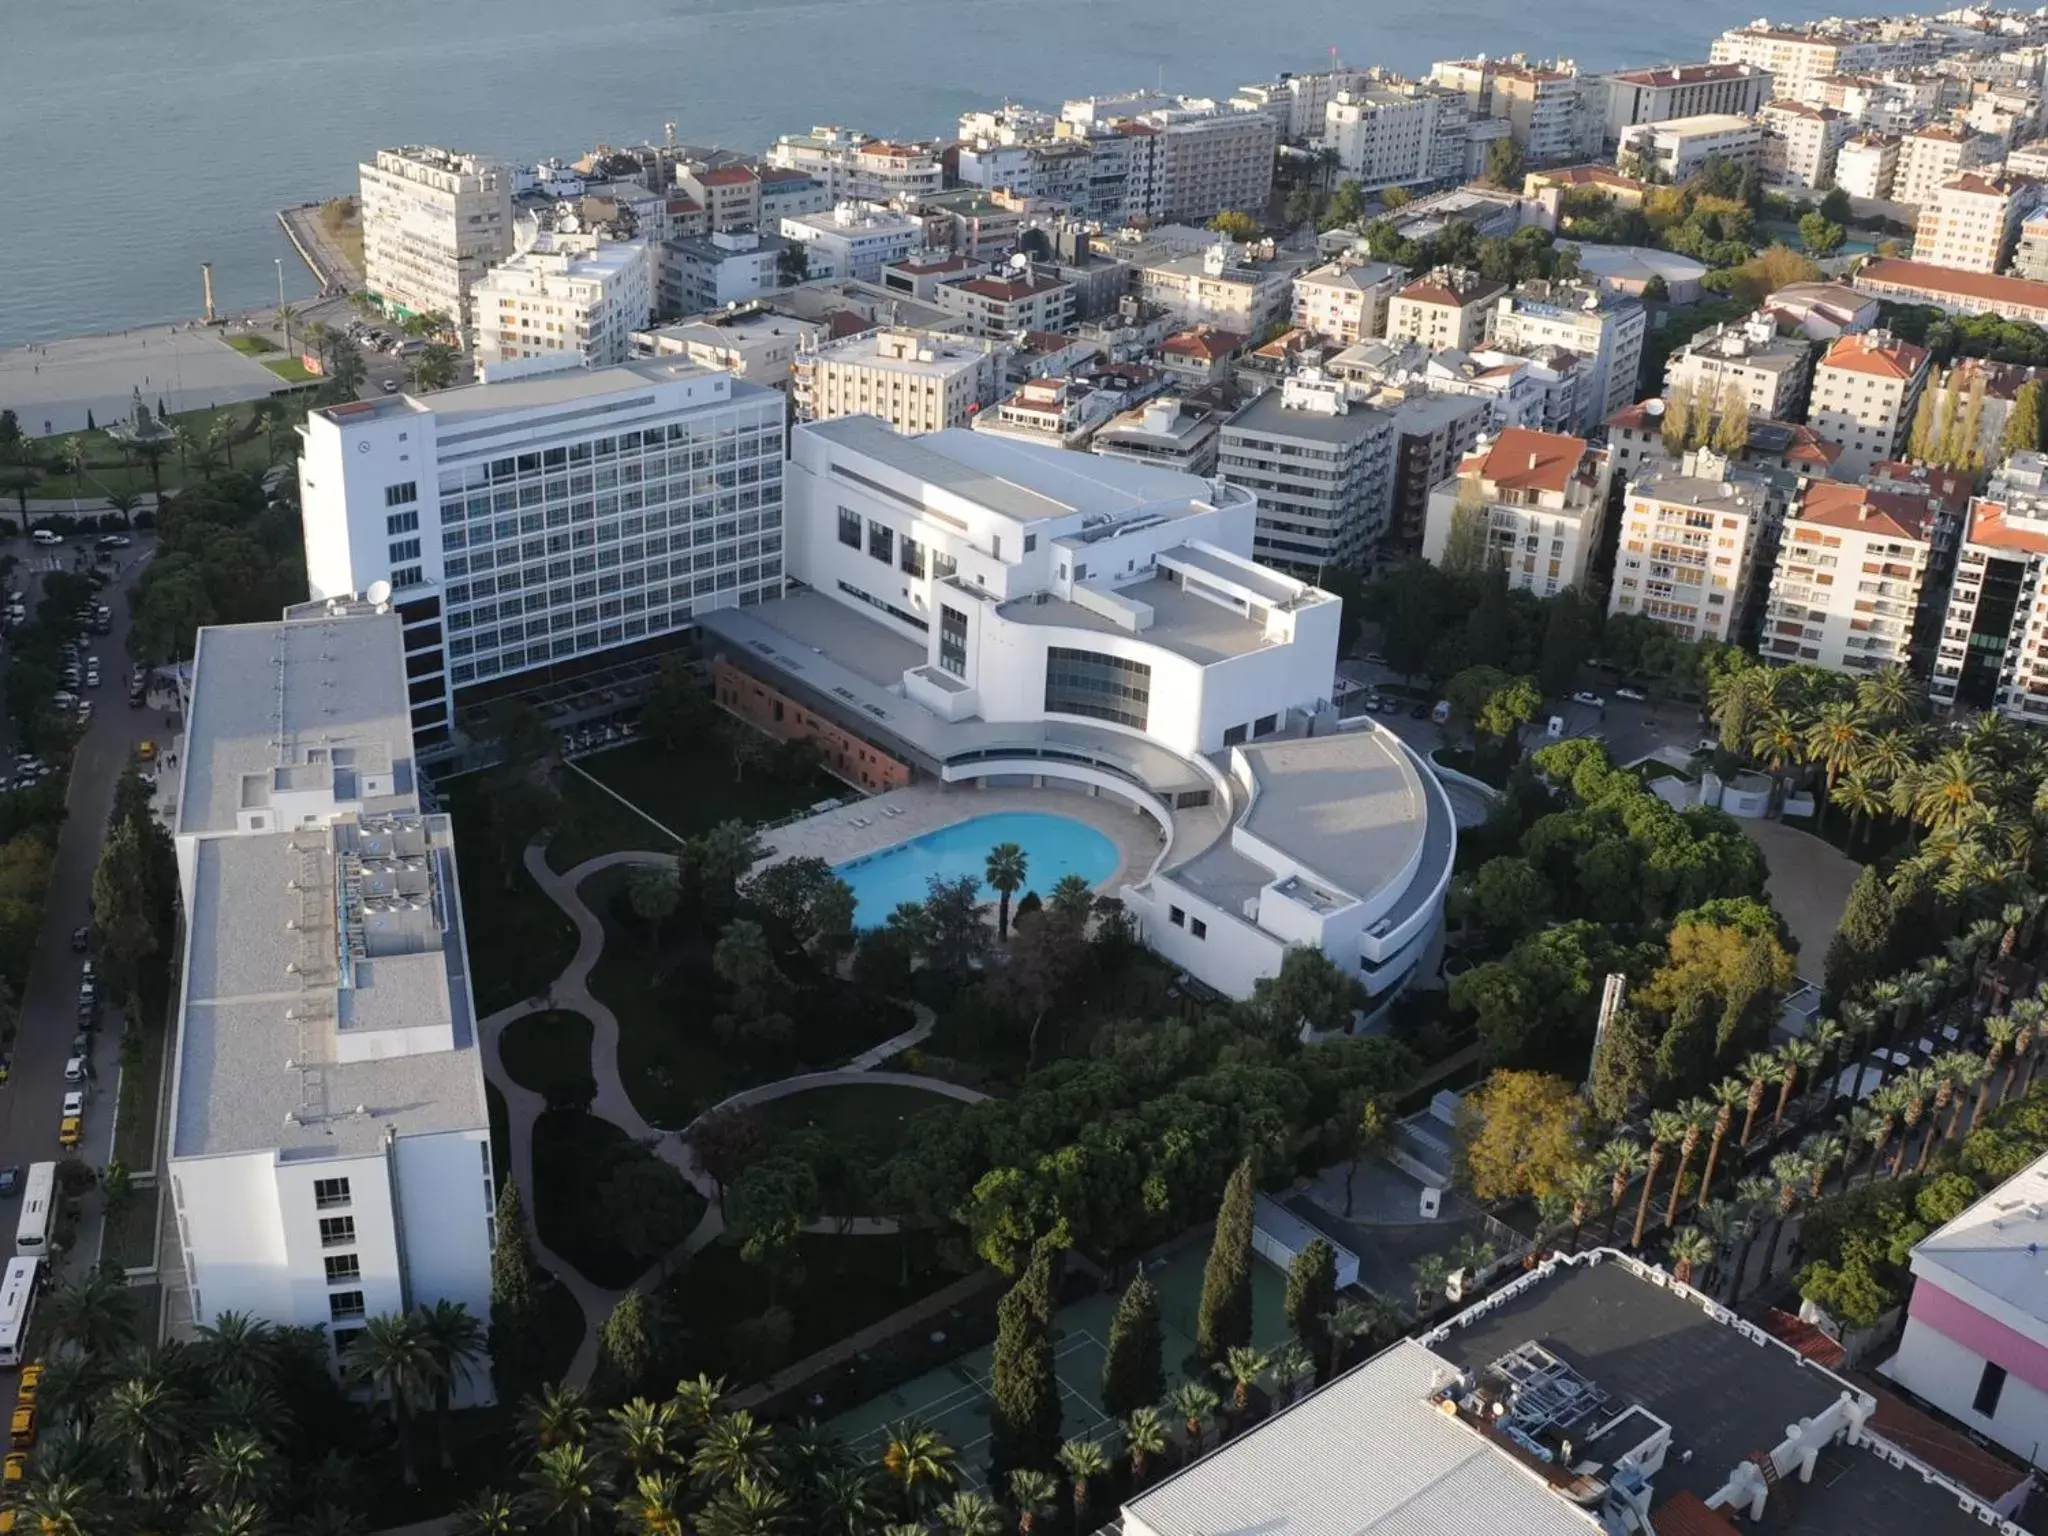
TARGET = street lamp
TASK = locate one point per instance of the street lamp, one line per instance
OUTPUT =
(278, 262)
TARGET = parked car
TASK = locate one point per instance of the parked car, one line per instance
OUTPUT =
(81, 939)
(1633, 695)
(1588, 697)
(74, 1070)
(71, 1132)
(10, 1181)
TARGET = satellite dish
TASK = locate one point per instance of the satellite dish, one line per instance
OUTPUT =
(380, 592)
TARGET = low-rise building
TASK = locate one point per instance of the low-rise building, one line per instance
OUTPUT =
(1626, 191)
(1867, 166)
(1635, 437)
(854, 240)
(1679, 147)
(1958, 292)
(1347, 301)
(1197, 358)
(1852, 565)
(1604, 329)
(976, 221)
(1166, 431)
(1692, 530)
(1633, 271)
(1971, 223)
(851, 166)
(1448, 307)
(790, 194)
(1240, 288)
(1058, 413)
(729, 194)
(916, 381)
(1542, 497)
(1865, 391)
(749, 342)
(1992, 652)
(1008, 304)
(1801, 144)
(576, 298)
(1769, 371)
(1666, 91)
(1321, 468)
(707, 272)
(1822, 311)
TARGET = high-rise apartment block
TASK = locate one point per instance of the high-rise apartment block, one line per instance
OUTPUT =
(1604, 329)
(1541, 497)
(434, 220)
(1801, 144)
(540, 527)
(1792, 58)
(1933, 156)
(327, 1148)
(1770, 372)
(1666, 91)
(1865, 390)
(1972, 222)
(1852, 566)
(852, 167)
(1867, 165)
(1398, 133)
(573, 298)
(1555, 116)
(1321, 467)
(1993, 646)
(1691, 532)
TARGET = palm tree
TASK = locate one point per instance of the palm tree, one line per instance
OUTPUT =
(1144, 1438)
(1952, 1070)
(231, 1468)
(489, 1514)
(456, 1343)
(1862, 797)
(392, 1357)
(1291, 1368)
(697, 1402)
(1855, 1127)
(918, 1460)
(642, 1435)
(753, 1508)
(1885, 1107)
(734, 1448)
(1753, 1197)
(1914, 1088)
(1666, 1128)
(567, 1486)
(1697, 1115)
(1822, 1151)
(238, 1346)
(220, 437)
(1889, 695)
(1242, 1367)
(1193, 1403)
(1776, 743)
(151, 452)
(1085, 1461)
(2028, 1014)
(1794, 1057)
(145, 1417)
(1726, 1094)
(1827, 1036)
(96, 1313)
(1759, 1067)
(1431, 1273)
(1837, 739)
(61, 1507)
(1860, 1019)
(1032, 1493)
(970, 1514)
(1622, 1161)
(1689, 1250)
(434, 367)
(845, 1501)
(1007, 868)
(72, 456)
(655, 1506)
(561, 1415)
(1949, 792)
(1583, 1185)
(1791, 1173)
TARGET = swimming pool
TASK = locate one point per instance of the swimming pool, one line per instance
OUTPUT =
(1054, 846)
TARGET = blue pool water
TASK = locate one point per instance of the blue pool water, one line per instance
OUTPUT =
(1054, 846)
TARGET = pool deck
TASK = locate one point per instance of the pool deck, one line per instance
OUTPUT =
(883, 821)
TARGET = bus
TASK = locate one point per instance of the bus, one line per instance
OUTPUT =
(17, 1306)
(38, 1200)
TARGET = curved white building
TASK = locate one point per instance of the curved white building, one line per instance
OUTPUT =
(986, 610)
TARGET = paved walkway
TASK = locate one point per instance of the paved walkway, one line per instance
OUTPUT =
(1808, 883)
(571, 992)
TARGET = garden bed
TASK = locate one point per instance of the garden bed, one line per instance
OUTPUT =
(574, 1157)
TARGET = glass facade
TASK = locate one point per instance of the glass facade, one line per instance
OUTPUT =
(1097, 685)
(561, 550)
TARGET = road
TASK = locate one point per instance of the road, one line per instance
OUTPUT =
(31, 1100)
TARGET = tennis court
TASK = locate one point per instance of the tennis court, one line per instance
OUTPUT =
(954, 1400)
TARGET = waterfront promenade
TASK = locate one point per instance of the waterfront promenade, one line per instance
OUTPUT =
(50, 387)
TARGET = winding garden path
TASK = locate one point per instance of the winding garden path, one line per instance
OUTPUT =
(571, 992)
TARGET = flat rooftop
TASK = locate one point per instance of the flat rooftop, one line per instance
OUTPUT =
(1996, 1245)
(270, 696)
(1268, 417)
(1193, 627)
(561, 386)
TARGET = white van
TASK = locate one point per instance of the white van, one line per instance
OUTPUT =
(46, 537)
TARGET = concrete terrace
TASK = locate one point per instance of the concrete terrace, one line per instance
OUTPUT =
(53, 385)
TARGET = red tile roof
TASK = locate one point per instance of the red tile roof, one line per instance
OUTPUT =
(1979, 186)
(1639, 417)
(1890, 514)
(1524, 460)
(1204, 343)
(727, 176)
(1686, 1514)
(1859, 354)
(1440, 288)
(1011, 288)
(1955, 1456)
(1989, 526)
(1925, 277)
(1806, 1338)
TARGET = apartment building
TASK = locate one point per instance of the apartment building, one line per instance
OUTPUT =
(1057, 413)
(1993, 647)
(852, 167)
(790, 194)
(539, 527)
(572, 297)
(2030, 252)
(1865, 390)
(327, 1145)
(749, 342)
(1931, 157)
(1667, 91)
(702, 273)
(729, 194)
(1347, 301)
(1960, 293)
(1867, 165)
(1635, 438)
(1677, 148)
(854, 240)
(1211, 161)
(1398, 134)
(1165, 431)
(434, 221)
(1543, 495)
(1792, 58)
(1801, 144)
(1769, 371)
(1554, 116)
(1007, 305)
(1239, 288)
(1298, 103)
(1606, 330)
(1195, 359)
(1449, 307)
(917, 381)
(1691, 534)
(1321, 467)
(1972, 222)
(1432, 435)
(1852, 567)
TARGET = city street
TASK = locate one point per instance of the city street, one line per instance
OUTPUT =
(31, 1099)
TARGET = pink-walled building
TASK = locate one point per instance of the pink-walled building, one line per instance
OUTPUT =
(1976, 1340)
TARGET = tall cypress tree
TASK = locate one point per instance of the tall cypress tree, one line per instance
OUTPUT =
(1225, 1317)
(1311, 1294)
(1024, 1388)
(1133, 1374)
(516, 1285)
(1856, 954)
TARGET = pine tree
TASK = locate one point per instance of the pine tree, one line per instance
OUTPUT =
(1623, 1066)
(1224, 1319)
(1857, 952)
(2023, 424)
(626, 1349)
(1024, 1388)
(516, 1284)
(1312, 1296)
(1133, 1373)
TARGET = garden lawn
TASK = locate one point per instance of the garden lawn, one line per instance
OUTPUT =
(547, 1052)
(291, 370)
(573, 1156)
(519, 941)
(594, 823)
(252, 346)
(693, 790)
(876, 1114)
(135, 1140)
(107, 464)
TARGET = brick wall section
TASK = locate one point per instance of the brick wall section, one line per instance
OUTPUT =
(777, 714)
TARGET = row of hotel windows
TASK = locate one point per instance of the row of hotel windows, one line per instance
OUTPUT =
(706, 564)
(599, 554)
(609, 525)
(628, 482)
(725, 442)
(610, 570)
(632, 628)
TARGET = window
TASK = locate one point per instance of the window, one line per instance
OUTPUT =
(407, 576)
(342, 1267)
(849, 528)
(405, 549)
(330, 1194)
(344, 1305)
(881, 542)
(953, 640)
(1989, 1386)
(1175, 916)
(1265, 725)
(911, 555)
(1233, 736)
(1100, 686)
(401, 522)
(337, 1231)
(1030, 542)
(344, 1337)
(399, 495)
(1198, 928)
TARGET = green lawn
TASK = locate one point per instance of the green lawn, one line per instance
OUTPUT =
(519, 941)
(690, 791)
(252, 346)
(671, 1067)
(547, 1051)
(573, 1157)
(109, 467)
(594, 823)
(141, 1094)
(291, 370)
